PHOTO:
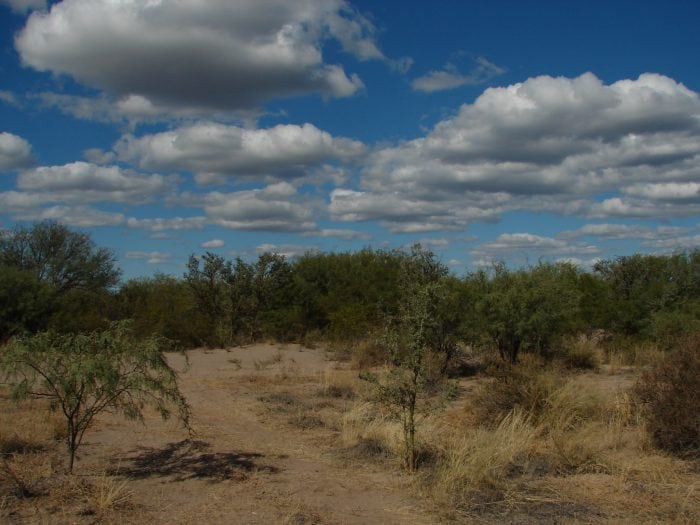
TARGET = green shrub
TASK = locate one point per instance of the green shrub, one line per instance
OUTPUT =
(668, 393)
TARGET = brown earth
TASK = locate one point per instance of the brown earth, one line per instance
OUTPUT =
(264, 451)
(268, 448)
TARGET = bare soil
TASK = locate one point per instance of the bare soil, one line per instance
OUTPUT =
(267, 448)
(264, 451)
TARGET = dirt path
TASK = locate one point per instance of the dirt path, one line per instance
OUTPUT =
(246, 463)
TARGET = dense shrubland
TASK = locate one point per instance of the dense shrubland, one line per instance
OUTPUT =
(56, 278)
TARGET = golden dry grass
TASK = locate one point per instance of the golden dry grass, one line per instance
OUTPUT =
(575, 452)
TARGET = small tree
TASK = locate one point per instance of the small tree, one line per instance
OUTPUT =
(410, 340)
(82, 375)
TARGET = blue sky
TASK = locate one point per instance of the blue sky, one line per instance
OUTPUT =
(501, 130)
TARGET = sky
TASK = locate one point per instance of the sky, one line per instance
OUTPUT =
(515, 131)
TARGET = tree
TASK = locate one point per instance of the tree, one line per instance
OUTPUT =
(83, 375)
(56, 255)
(25, 302)
(642, 286)
(411, 337)
(530, 308)
(162, 305)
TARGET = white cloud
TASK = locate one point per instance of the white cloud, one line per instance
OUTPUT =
(81, 182)
(79, 216)
(436, 244)
(172, 223)
(28, 207)
(407, 214)
(23, 6)
(340, 233)
(546, 144)
(674, 244)
(529, 245)
(15, 152)
(670, 191)
(8, 97)
(217, 151)
(202, 56)
(213, 243)
(623, 231)
(641, 209)
(451, 78)
(277, 207)
(98, 156)
(287, 250)
(154, 257)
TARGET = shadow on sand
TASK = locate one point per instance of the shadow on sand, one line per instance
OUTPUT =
(189, 459)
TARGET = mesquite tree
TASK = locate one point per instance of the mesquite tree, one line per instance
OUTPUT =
(83, 375)
(410, 340)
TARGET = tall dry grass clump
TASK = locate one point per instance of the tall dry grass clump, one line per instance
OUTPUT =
(477, 468)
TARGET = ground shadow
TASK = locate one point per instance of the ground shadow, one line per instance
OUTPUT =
(189, 459)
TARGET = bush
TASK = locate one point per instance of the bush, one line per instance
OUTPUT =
(668, 393)
(581, 353)
(525, 387)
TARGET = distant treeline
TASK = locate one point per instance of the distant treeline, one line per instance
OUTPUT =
(54, 278)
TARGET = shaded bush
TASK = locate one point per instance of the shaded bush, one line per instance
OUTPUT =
(581, 353)
(526, 387)
(668, 393)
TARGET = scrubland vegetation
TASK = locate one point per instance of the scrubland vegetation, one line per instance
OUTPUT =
(545, 394)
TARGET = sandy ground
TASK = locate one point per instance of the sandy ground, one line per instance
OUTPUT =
(247, 463)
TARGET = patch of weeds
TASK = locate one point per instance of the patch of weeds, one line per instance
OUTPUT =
(306, 421)
(108, 492)
(368, 448)
(284, 401)
(236, 363)
(303, 515)
(338, 391)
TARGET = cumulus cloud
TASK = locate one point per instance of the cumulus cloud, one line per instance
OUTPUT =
(202, 56)
(287, 250)
(669, 191)
(215, 151)
(28, 207)
(277, 207)
(555, 144)
(529, 245)
(15, 152)
(339, 233)
(623, 231)
(213, 243)
(81, 182)
(172, 223)
(641, 209)
(450, 77)
(8, 97)
(23, 6)
(405, 213)
(154, 257)
(674, 244)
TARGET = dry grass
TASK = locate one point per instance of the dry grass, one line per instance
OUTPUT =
(532, 445)
(107, 493)
(551, 448)
(477, 467)
(263, 364)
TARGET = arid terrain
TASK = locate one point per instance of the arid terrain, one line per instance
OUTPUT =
(276, 440)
